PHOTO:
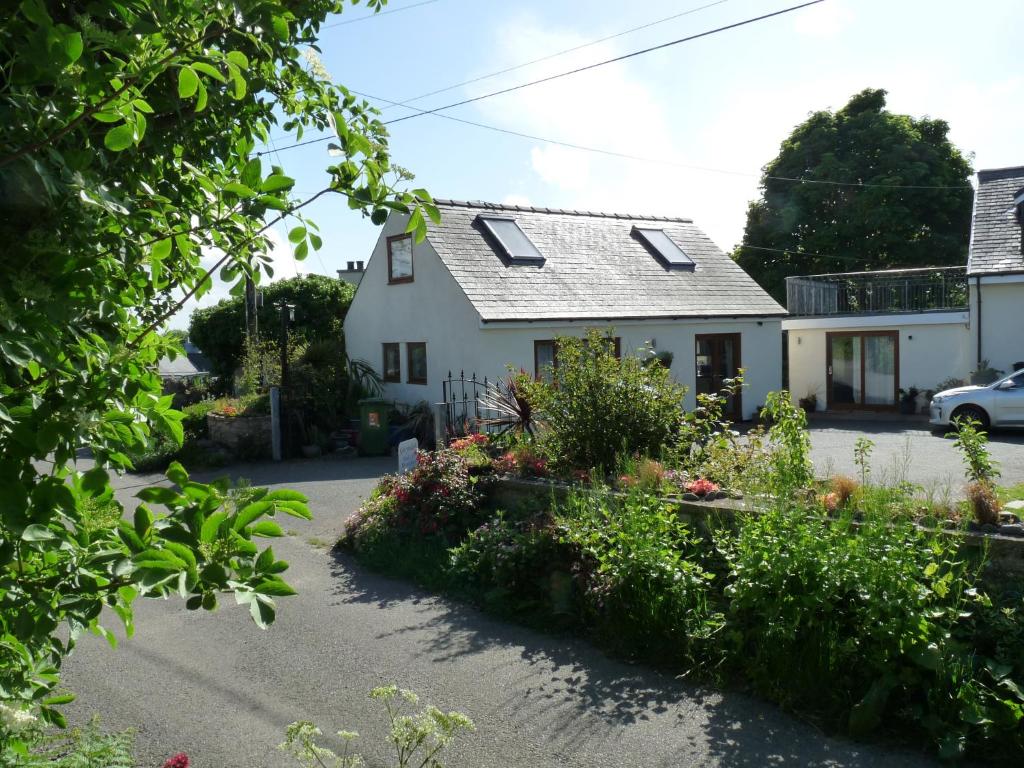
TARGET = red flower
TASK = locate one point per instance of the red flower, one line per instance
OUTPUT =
(179, 760)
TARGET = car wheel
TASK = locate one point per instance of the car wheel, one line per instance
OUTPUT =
(972, 412)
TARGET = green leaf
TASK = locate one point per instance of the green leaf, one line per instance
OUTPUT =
(36, 532)
(316, 241)
(249, 513)
(158, 494)
(211, 525)
(262, 612)
(302, 250)
(268, 529)
(54, 701)
(201, 98)
(277, 182)
(188, 82)
(275, 588)
(209, 70)
(161, 249)
(143, 520)
(239, 189)
(252, 174)
(280, 26)
(72, 45)
(119, 138)
(297, 235)
(177, 474)
(239, 59)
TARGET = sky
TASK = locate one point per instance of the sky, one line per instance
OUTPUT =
(699, 119)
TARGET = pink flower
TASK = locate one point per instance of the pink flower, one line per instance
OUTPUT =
(830, 501)
(179, 760)
(701, 487)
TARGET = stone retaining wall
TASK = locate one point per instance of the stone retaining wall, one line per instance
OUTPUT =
(1005, 553)
(242, 435)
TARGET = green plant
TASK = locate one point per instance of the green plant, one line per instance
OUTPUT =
(985, 374)
(418, 739)
(862, 449)
(129, 155)
(508, 398)
(594, 395)
(971, 442)
(789, 457)
(643, 580)
(704, 429)
(80, 747)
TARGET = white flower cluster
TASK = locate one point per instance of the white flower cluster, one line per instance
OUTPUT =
(15, 720)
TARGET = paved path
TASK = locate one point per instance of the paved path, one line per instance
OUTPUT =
(909, 452)
(214, 686)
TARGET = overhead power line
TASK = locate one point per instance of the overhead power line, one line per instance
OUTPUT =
(595, 65)
(550, 56)
(377, 15)
(627, 156)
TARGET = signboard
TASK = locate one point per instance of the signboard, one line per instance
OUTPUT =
(407, 450)
(373, 419)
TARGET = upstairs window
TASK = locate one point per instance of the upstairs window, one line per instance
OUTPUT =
(400, 259)
(664, 247)
(513, 242)
(392, 363)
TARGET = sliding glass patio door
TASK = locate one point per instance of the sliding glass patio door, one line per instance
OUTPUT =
(862, 370)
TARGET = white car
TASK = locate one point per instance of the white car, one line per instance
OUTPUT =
(1000, 404)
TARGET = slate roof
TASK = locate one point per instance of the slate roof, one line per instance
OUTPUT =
(594, 268)
(192, 363)
(995, 233)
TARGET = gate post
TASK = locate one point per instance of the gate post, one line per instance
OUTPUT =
(440, 424)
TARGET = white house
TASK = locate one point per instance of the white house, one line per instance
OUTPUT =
(492, 286)
(856, 339)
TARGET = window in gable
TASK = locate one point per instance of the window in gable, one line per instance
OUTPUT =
(514, 243)
(400, 259)
(664, 247)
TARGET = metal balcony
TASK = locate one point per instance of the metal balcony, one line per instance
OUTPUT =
(874, 293)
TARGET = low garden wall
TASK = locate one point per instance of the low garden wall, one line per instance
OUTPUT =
(1005, 554)
(243, 435)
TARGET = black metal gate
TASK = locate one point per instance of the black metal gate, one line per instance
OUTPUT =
(463, 411)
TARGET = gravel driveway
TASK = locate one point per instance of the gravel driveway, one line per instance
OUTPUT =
(216, 687)
(909, 452)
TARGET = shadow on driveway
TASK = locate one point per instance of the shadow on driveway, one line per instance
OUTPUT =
(562, 685)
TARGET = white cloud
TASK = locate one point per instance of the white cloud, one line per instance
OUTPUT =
(516, 199)
(283, 262)
(567, 168)
(823, 21)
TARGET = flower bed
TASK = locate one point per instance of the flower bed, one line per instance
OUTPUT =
(860, 617)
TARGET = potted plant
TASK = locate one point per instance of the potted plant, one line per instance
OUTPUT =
(809, 402)
(908, 400)
(985, 374)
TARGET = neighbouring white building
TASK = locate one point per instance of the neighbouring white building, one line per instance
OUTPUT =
(493, 286)
(856, 339)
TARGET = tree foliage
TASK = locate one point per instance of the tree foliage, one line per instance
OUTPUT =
(805, 228)
(321, 304)
(128, 153)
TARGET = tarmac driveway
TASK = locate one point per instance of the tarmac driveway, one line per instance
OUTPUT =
(219, 689)
(909, 451)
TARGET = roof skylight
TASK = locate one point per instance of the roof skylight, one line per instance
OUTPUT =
(511, 238)
(664, 247)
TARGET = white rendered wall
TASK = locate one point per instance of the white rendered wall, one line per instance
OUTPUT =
(433, 309)
(932, 348)
(1002, 321)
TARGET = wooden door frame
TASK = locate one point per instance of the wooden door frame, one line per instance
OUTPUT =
(737, 414)
(829, 336)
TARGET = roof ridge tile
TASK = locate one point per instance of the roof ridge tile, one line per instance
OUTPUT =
(482, 204)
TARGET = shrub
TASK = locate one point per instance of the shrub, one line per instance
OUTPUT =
(848, 621)
(598, 408)
(984, 503)
(982, 471)
(516, 567)
(80, 747)
(194, 421)
(645, 588)
(844, 488)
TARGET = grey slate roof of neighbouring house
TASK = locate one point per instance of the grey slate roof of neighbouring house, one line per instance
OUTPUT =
(594, 268)
(192, 363)
(996, 232)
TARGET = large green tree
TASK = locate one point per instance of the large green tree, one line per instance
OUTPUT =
(859, 189)
(320, 302)
(128, 152)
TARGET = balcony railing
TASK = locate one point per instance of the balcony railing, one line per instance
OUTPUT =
(894, 290)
